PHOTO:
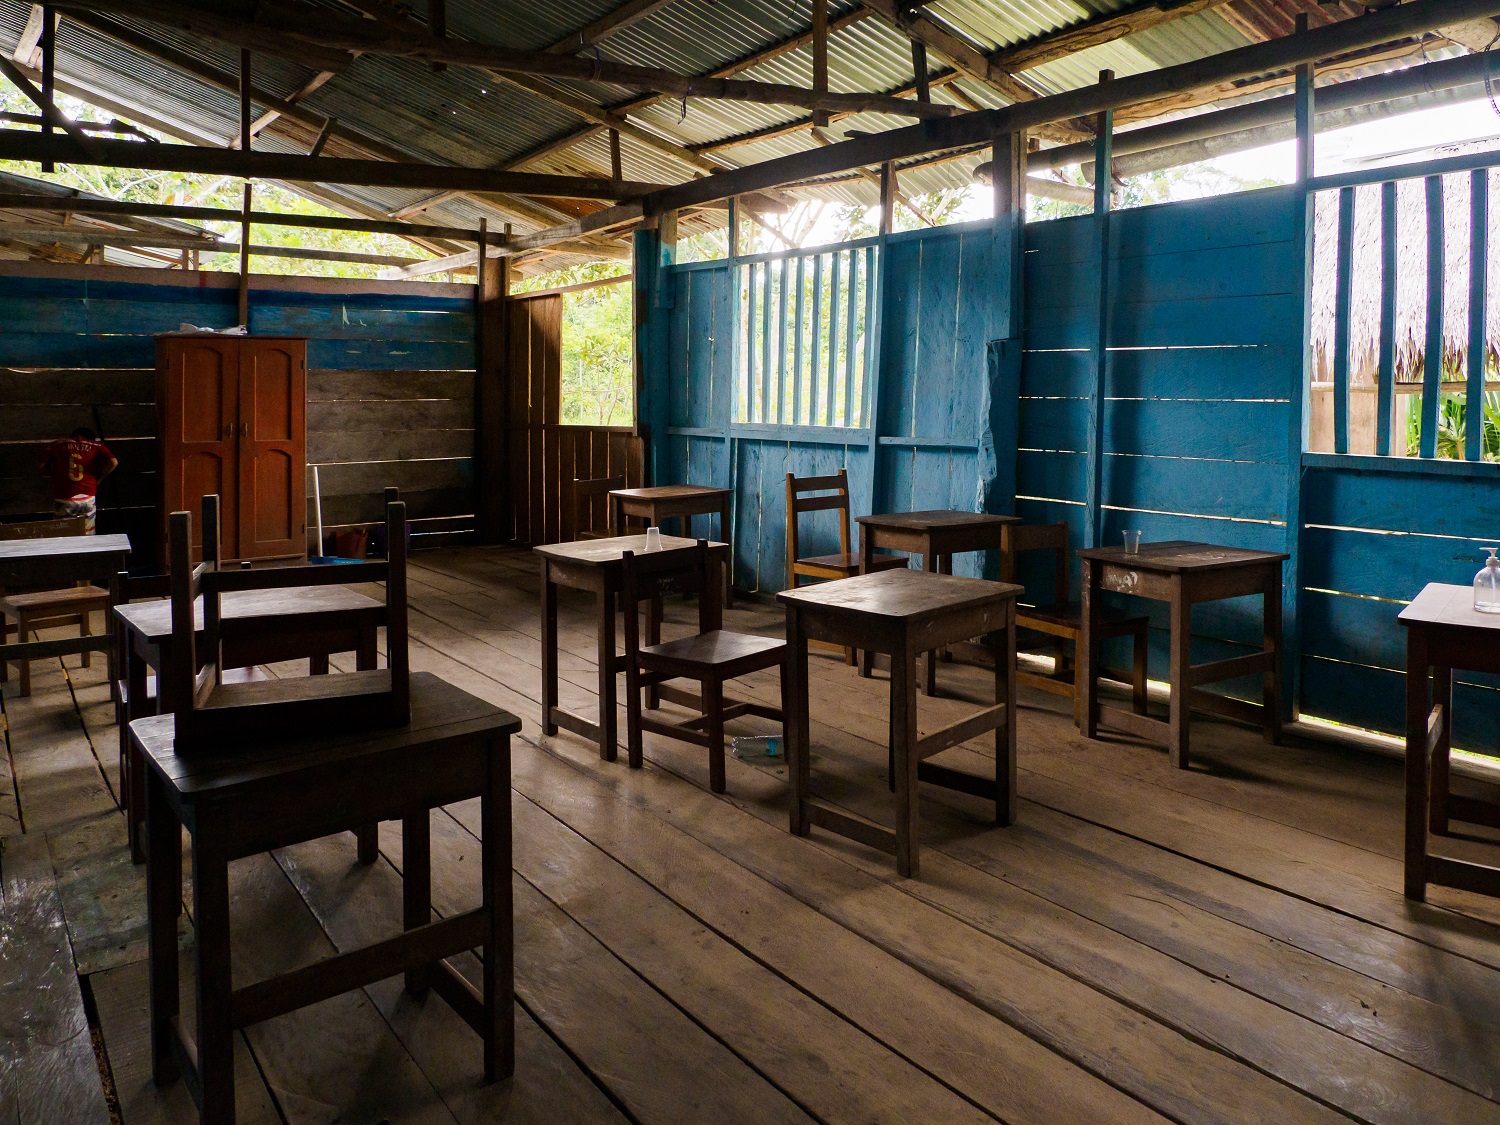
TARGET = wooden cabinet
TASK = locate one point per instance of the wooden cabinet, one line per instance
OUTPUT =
(232, 419)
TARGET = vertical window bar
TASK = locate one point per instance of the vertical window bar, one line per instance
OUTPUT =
(815, 342)
(781, 411)
(853, 317)
(870, 357)
(1432, 357)
(833, 339)
(1479, 224)
(1385, 393)
(765, 345)
(752, 384)
(799, 328)
(1344, 282)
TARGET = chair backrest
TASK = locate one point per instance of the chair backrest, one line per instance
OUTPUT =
(799, 500)
(648, 575)
(587, 505)
(195, 670)
(1019, 538)
(43, 529)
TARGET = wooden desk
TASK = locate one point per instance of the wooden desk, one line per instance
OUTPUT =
(1443, 632)
(594, 564)
(1183, 574)
(675, 501)
(903, 613)
(61, 561)
(935, 537)
(238, 803)
(258, 627)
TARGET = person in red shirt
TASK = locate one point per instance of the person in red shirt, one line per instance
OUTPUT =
(75, 465)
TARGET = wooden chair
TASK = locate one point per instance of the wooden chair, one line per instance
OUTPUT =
(587, 506)
(845, 564)
(41, 609)
(1063, 619)
(215, 712)
(711, 656)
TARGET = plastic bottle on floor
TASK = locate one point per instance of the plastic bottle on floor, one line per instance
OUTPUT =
(757, 749)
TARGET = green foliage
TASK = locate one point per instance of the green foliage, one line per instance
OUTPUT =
(1187, 181)
(571, 275)
(1452, 428)
(598, 377)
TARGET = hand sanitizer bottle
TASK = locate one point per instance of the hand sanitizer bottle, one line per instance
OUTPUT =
(1487, 584)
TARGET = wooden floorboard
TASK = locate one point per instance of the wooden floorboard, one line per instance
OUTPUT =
(1226, 944)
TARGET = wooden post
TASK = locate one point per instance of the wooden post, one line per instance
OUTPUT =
(492, 409)
(49, 61)
(1103, 182)
(919, 70)
(437, 26)
(244, 296)
(820, 58)
(887, 196)
(615, 171)
(998, 439)
(1305, 110)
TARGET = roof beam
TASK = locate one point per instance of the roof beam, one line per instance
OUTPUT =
(30, 232)
(17, 145)
(1093, 32)
(267, 116)
(606, 25)
(50, 113)
(203, 72)
(31, 35)
(1384, 26)
(288, 29)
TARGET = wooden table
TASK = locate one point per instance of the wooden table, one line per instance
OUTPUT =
(258, 627)
(903, 613)
(675, 501)
(1443, 632)
(1183, 574)
(935, 537)
(238, 803)
(60, 561)
(595, 565)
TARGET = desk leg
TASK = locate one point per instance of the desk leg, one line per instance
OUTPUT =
(904, 747)
(616, 516)
(549, 649)
(367, 835)
(1437, 778)
(132, 764)
(1271, 678)
(1005, 737)
(499, 945)
(728, 534)
(608, 734)
(654, 613)
(1179, 713)
(931, 564)
(214, 987)
(1418, 707)
(1087, 678)
(945, 566)
(163, 905)
(795, 722)
(866, 561)
(416, 886)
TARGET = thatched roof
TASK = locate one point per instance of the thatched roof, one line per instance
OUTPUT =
(1411, 273)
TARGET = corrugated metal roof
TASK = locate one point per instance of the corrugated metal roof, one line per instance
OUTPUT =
(467, 117)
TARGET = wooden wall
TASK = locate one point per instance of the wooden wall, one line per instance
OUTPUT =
(390, 384)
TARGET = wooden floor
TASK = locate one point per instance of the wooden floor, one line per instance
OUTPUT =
(1225, 944)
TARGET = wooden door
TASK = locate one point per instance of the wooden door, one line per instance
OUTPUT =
(197, 403)
(272, 448)
(535, 367)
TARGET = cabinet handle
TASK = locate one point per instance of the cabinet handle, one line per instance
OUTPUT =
(229, 429)
(244, 429)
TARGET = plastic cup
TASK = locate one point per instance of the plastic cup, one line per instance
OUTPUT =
(1132, 542)
(653, 539)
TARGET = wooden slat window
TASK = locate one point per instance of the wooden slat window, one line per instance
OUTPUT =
(803, 322)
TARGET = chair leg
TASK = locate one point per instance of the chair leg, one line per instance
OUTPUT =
(86, 629)
(713, 710)
(849, 657)
(1138, 677)
(634, 750)
(23, 630)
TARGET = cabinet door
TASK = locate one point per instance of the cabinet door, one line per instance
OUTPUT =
(198, 411)
(273, 448)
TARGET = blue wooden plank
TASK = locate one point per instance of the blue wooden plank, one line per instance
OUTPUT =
(774, 465)
(1361, 630)
(1055, 476)
(680, 341)
(1056, 374)
(1231, 431)
(1159, 527)
(1374, 698)
(1425, 503)
(47, 316)
(763, 344)
(941, 401)
(1432, 355)
(1479, 223)
(747, 515)
(1233, 320)
(724, 370)
(27, 350)
(1386, 377)
(1053, 423)
(1249, 218)
(390, 356)
(1241, 271)
(899, 335)
(1342, 309)
(1256, 371)
(1394, 567)
(1069, 240)
(362, 323)
(1237, 490)
(871, 335)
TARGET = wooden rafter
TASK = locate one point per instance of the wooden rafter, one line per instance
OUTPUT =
(606, 25)
(289, 29)
(316, 82)
(1093, 32)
